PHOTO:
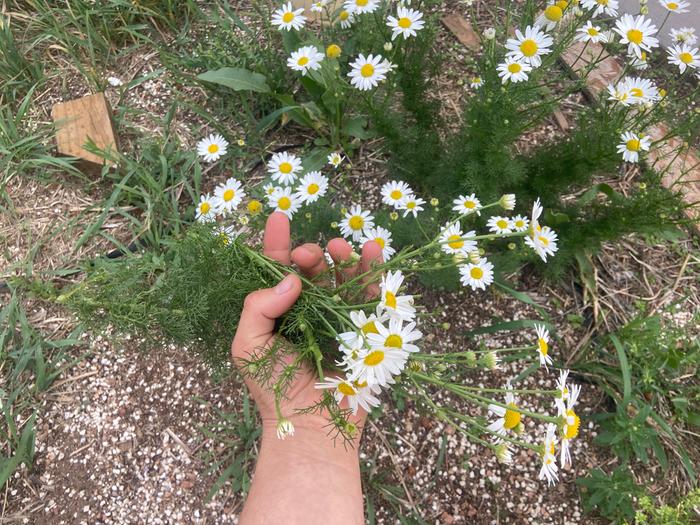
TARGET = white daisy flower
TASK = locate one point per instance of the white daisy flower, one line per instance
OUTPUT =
(367, 324)
(590, 33)
(355, 222)
(285, 201)
(572, 422)
(393, 192)
(395, 305)
(544, 242)
(637, 33)
(359, 7)
(476, 82)
(377, 366)
(312, 187)
(334, 159)
(530, 46)
(466, 204)
(506, 418)
(398, 337)
(382, 237)
(550, 17)
(641, 90)
(358, 394)
(684, 35)
(631, 145)
(543, 345)
(305, 59)
(286, 17)
(346, 19)
(411, 204)
(270, 188)
(212, 148)
(684, 57)
(206, 209)
(675, 6)
(367, 72)
(477, 275)
(519, 223)
(285, 428)
(317, 7)
(283, 167)
(608, 7)
(639, 63)
(406, 22)
(498, 224)
(507, 201)
(549, 469)
(514, 70)
(454, 242)
(228, 196)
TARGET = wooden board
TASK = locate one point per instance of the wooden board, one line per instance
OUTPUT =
(80, 120)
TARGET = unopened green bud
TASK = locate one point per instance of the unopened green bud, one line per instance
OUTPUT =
(490, 360)
(415, 366)
(445, 326)
(511, 246)
(470, 357)
(434, 201)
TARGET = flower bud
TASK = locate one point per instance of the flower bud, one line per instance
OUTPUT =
(388, 46)
(244, 220)
(507, 201)
(334, 225)
(434, 201)
(490, 360)
(308, 215)
(474, 257)
(350, 429)
(644, 10)
(240, 142)
(445, 326)
(503, 454)
(284, 428)
(394, 216)
(511, 246)
(415, 366)
(489, 33)
(333, 51)
(470, 357)
(519, 428)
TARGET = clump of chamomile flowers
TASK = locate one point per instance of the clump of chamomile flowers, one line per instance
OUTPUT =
(379, 344)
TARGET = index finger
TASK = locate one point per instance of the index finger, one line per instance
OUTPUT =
(277, 241)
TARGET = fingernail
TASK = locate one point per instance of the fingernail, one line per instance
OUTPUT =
(284, 285)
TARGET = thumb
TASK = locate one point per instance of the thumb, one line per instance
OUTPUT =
(260, 310)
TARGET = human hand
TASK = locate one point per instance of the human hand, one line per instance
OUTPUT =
(256, 332)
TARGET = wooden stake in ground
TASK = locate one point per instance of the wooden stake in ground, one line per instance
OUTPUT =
(83, 120)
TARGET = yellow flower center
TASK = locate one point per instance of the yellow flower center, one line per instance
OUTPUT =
(393, 341)
(303, 61)
(672, 6)
(512, 68)
(543, 240)
(410, 205)
(602, 2)
(344, 15)
(529, 47)
(553, 13)
(287, 17)
(476, 273)
(380, 242)
(404, 22)
(502, 224)
(204, 208)
(285, 168)
(229, 194)
(686, 58)
(455, 241)
(346, 389)
(390, 299)
(313, 188)
(396, 194)
(367, 70)
(374, 358)
(356, 222)
(284, 203)
(359, 384)
(632, 145)
(213, 148)
(370, 328)
(519, 224)
(333, 51)
(636, 92)
(470, 205)
(511, 418)
(361, 3)
(543, 346)
(571, 431)
(635, 36)
(593, 31)
(562, 4)
(254, 206)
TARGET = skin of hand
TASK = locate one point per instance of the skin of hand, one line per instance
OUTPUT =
(307, 478)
